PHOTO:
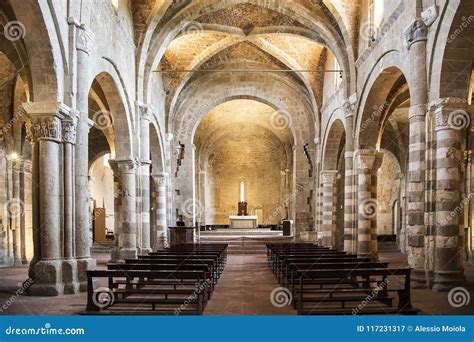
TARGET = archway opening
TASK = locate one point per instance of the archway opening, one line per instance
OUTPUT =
(244, 155)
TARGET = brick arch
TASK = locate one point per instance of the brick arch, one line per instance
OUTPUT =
(115, 104)
(149, 61)
(453, 52)
(377, 96)
(332, 144)
(211, 90)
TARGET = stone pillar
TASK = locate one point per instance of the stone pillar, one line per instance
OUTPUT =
(368, 163)
(127, 237)
(451, 120)
(15, 209)
(117, 210)
(84, 42)
(70, 271)
(159, 234)
(328, 183)
(145, 163)
(44, 130)
(416, 37)
(350, 235)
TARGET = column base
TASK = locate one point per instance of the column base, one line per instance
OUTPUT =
(144, 251)
(47, 278)
(418, 279)
(128, 253)
(83, 265)
(71, 284)
(446, 280)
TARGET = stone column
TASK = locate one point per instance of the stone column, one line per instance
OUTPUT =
(44, 131)
(416, 37)
(70, 272)
(128, 233)
(350, 235)
(159, 234)
(328, 183)
(15, 209)
(145, 163)
(117, 211)
(451, 120)
(368, 163)
(84, 42)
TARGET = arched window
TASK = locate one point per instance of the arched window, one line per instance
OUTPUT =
(376, 12)
(337, 76)
(115, 4)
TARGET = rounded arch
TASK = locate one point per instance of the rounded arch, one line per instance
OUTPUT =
(117, 117)
(211, 91)
(156, 43)
(332, 144)
(45, 58)
(453, 52)
(379, 91)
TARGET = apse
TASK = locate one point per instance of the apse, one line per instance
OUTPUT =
(244, 154)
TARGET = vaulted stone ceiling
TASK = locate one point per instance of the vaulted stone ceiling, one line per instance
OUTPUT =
(269, 35)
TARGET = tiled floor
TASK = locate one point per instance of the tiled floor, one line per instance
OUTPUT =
(245, 288)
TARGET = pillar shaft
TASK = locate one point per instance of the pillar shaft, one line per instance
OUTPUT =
(449, 225)
(159, 235)
(416, 41)
(368, 163)
(83, 223)
(328, 182)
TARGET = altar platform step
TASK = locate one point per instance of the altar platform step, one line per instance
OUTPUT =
(234, 232)
(255, 244)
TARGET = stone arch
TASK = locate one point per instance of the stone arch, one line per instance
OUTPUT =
(118, 115)
(376, 99)
(332, 144)
(148, 63)
(186, 116)
(453, 52)
(44, 55)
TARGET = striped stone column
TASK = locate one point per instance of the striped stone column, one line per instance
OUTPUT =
(416, 37)
(328, 183)
(350, 235)
(127, 236)
(451, 120)
(159, 233)
(368, 163)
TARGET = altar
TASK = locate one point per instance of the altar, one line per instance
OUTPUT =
(250, 222)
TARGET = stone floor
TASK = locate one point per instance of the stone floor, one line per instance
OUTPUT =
(244, 289)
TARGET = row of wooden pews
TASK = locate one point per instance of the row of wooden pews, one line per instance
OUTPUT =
(174, 281)
(325, 281)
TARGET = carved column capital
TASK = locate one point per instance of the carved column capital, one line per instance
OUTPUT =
(44, 120)
(160, 178)
(450, 113)
(328, 176)
(416, 32)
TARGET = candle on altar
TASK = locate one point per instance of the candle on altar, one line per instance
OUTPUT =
(242, 191)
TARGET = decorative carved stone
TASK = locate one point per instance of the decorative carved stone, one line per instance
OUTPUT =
(48, 128)
(85, 39)
(417, 32)
(430, 15)
(69, 131)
